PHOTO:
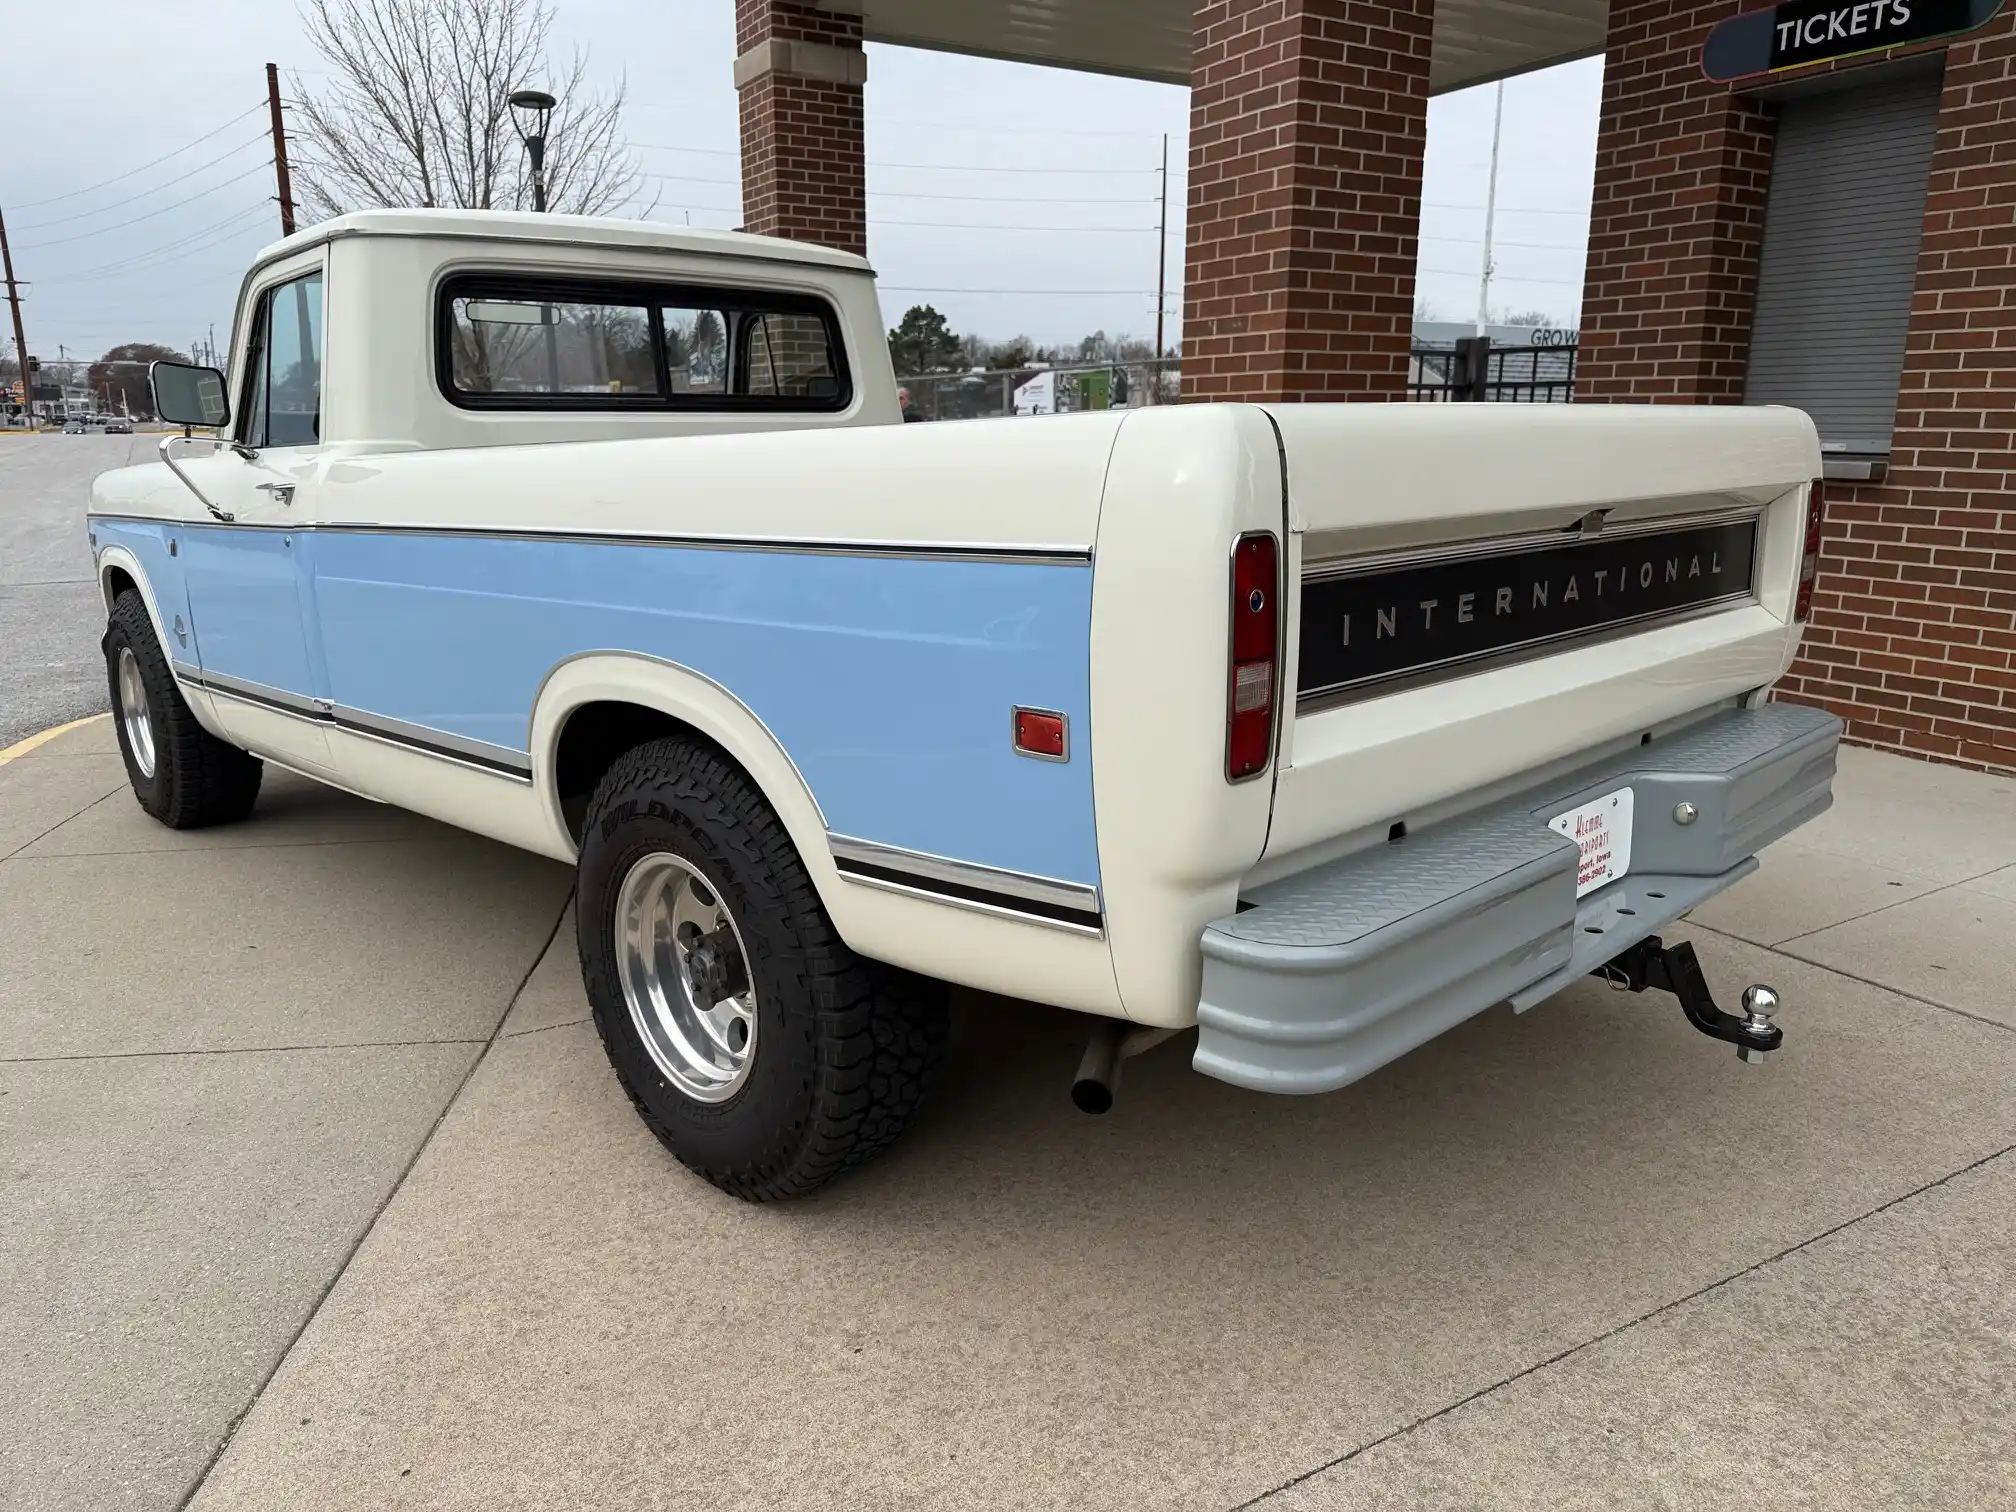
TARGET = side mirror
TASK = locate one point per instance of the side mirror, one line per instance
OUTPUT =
(185, 394)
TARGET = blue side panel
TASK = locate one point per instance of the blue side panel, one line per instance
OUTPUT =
(148, 541)
(245, 593)
(890, 681)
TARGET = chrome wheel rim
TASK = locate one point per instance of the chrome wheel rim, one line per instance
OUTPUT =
(686, 977)
(133, 713)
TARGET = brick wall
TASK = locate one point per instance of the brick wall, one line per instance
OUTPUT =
(1308, 123)
(803, 144)
(1913, 639)
(1682, 169)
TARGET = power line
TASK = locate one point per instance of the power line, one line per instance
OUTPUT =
(57, 241)
(138, 260)
(165, 183)
(929, 167)
(991, 199)
(118, 177)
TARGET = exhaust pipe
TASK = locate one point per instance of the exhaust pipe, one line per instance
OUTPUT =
(1113, 1041)
(1099, 1070)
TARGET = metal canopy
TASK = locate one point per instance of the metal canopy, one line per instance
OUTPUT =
(1475, 40)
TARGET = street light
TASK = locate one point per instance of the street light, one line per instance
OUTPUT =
(529, 110)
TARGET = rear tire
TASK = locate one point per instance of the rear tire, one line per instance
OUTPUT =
(181, 773)
(767, 1079)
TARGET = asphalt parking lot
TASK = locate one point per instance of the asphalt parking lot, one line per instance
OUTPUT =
(318, 1193)
(50, 613)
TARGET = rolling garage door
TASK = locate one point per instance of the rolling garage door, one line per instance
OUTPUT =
(1840, 256)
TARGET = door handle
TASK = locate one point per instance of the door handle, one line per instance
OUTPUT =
(283, 493)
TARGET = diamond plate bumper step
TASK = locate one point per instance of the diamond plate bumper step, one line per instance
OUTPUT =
(1322, 978)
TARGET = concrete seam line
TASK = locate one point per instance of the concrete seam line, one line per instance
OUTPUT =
(398, 1184)
(44, 1060)
(1909, 997)
(1807, 934)
(1624, 1327)
(15, 854)
(21, 748)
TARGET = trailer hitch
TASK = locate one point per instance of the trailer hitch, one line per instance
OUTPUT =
(1677, 970)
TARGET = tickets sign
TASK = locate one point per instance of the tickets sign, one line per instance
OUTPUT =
(1799, 32)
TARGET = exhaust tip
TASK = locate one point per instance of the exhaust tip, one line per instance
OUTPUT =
(1090, 1095)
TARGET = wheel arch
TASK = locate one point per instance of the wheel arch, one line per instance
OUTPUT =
(595, 706)
(119, 570)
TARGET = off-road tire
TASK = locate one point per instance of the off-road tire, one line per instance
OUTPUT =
(847, 1050)
(198, 780)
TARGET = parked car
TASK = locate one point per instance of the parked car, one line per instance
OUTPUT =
(1315, 728)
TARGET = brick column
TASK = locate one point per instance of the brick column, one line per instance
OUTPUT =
(1682, 168)
(799, 69)
(1913, 639)
(1308, 124)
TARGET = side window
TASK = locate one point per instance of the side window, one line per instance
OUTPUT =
(696, 350)
(791, 357)
(519, 341)
(283, 369)
(518, 346)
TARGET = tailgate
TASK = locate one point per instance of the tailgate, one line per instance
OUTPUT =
(1483, 592)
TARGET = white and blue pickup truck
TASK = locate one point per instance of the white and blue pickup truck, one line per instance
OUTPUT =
(1317, 728)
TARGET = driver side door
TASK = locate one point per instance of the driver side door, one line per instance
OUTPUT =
(245, 575)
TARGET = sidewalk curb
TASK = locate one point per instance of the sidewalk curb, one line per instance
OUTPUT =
(23, 747)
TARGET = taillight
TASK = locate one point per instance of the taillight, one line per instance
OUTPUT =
(1256, 640)
(1809, 563)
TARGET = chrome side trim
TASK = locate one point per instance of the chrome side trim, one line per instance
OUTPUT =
(400, 731)
(1329, 568)
(458, 750)
(1013, 554)
(1005, 911)
(252, 692)
(946, 879)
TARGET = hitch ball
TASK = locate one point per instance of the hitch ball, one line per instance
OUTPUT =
(1759, 1004)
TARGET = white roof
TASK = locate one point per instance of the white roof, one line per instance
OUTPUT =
(575, 230)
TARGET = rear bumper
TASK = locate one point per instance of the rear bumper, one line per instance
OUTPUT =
(1323, 978)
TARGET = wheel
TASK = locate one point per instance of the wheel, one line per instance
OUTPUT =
(765, 1054)
(181, 773)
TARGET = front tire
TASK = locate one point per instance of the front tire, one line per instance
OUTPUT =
(181, 773)
(761, 1051)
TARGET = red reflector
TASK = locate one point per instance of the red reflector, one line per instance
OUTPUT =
(1256, 639)
(1809, 562)
(1040, 734)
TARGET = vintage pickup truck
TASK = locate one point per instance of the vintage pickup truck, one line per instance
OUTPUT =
(1317, 728)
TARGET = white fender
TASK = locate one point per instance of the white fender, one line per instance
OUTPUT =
(982, 950)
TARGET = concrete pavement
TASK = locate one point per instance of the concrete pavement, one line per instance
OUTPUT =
(50, 613)
(1579, 1258)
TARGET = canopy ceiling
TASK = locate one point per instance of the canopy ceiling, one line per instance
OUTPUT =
(1475, 40)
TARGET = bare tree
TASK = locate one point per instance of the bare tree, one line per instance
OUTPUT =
(417, 111)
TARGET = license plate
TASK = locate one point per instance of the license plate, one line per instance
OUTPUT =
(1603, 830)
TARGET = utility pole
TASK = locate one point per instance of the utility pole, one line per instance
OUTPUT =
(280, 151)
(1162, 257)
(1490, 213)
(20, 339)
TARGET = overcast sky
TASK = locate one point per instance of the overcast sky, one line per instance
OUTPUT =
(1016, 199)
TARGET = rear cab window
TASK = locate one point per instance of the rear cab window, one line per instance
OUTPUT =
(524, 342)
